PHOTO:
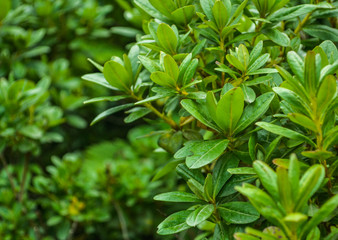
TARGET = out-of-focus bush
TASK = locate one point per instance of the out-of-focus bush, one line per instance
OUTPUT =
(100, 193)
(54, 38)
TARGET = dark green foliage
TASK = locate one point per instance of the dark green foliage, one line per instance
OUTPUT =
(256, 81)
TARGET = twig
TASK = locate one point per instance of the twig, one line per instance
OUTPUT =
(10, 176)
(122, 221)
(24, 176)
(72, 231)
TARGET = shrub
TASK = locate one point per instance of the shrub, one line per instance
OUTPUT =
(86, 194)
(243, 87)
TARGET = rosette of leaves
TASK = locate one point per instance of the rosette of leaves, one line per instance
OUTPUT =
(285, 204)
(220, 18)
(296, 19)
(310, 100)
(211, 81)
(208, 206)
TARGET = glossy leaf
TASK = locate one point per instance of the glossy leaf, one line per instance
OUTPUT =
(284, 132)
(199, 215)
(177, 197)
(254, 111)
(206, 153)
(268, 178)
(238, 212)
(220, 174)
(117, 76)
(167, 38)
(230, 109)
(175, 223)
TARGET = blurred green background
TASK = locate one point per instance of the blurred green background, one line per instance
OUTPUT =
(60, 178)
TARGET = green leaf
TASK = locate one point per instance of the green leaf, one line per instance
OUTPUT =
(199, 215)
(272, 146)
(277, 37)
(322, 32)
(175, 223)
(294, 100)
(183, 67)
(303, 121)
(168, 168)
(258, 80)
(285, 132)
(296, 64)
(220, 14)
(117, 76)
(207, 6)
(257, 197)
(183, 15)
(236, 180)
(136, 113)
(211, 104)
(163, 79)
(208, 188)
(235, 62)
(194, 110)
(309, 184)
(206, 152)
(318, 154)
(238, 212)
(187, 173)
(167, 38)
(196, 188)
(330, 50)
(198, 48)
(261, 235)
(256, 52)
(326, 93)
(254, 111)
(108, 98)
(293, 176)
(110, 111)
(268, 178)
(243, 55)
(177, 197)
(170, 67)
(99, 79)
(320, 215)
(31, 131)
(220, 174)
(229, 109)
(190, 72)
(5, 8)
(259, 62)
(262, 71)
(149, 64)
(164, 7)
(284, 187)
(95, 64)
(149, 9)
(296, 85)
(242, 170)
(249, 94)
(239, 10)
(310, 79)
(291, 12)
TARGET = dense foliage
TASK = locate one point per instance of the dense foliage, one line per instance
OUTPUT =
(100, 183)
(248, 90)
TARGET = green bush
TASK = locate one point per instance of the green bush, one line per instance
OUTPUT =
(245, 87)
(91, 193)
(86, 195)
